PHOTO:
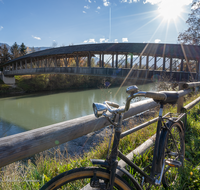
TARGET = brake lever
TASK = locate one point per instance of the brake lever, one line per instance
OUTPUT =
(112, 122)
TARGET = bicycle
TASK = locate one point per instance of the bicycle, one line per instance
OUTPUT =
(168, 156)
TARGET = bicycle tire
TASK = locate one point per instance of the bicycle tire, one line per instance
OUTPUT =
(67, 179)
(167, 146)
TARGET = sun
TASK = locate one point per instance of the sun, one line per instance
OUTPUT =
(170, 10)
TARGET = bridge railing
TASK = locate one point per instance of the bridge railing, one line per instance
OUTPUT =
(26, 144)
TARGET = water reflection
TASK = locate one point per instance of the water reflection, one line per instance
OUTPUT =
(21, 113)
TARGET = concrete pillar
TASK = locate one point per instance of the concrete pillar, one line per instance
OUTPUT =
(13, 67)
(20, 64)
(116, 63)
(147, 62)
(16, 65)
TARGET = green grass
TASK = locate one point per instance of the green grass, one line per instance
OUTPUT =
(35, 172)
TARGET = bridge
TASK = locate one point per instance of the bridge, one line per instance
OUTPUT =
(145, 61)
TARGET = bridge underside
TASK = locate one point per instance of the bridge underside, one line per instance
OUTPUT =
(138, 74)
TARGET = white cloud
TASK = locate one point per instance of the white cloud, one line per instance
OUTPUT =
(1, 27)
(129, 1)
(157, 41)
(86, 7)
(98, 7)
(84, 12)
(179, 2)
(97, 12)
(92, 41)
(89, 1)
(86, 41)
(106, 3)
(37, 38)
(116, 40)
(124, 39)
(102, 40)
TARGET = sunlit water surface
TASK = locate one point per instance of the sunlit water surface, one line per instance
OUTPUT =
(22, 113)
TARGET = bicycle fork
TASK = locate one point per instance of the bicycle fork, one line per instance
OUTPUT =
(114, 153)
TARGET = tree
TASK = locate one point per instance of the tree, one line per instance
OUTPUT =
(4, 54)
(192, 34)
(15, 50)
(22, 49)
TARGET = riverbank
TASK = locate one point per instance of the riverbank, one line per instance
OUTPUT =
(27, 84)
(32, 174)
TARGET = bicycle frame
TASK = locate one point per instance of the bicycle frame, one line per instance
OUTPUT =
(112, 163)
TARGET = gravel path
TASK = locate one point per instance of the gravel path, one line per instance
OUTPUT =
(85, 143)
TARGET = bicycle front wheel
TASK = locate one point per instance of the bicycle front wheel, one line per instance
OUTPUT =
(172, 147)
(80, 177)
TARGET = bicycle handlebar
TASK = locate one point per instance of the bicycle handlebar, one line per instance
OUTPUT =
(157, 96)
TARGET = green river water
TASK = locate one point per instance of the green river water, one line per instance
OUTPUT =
(22, 113)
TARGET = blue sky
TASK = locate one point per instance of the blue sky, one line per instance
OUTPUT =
(40, 23)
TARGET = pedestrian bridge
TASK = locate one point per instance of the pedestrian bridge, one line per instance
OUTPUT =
(135, 60)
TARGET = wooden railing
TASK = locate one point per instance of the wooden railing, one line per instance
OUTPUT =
(23, 145)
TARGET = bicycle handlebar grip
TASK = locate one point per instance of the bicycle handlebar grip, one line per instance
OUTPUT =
(156, 95)
(115, 105)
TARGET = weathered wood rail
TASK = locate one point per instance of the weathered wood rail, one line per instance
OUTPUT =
(22, 145)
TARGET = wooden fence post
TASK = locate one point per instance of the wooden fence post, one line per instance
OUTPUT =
(180, 100)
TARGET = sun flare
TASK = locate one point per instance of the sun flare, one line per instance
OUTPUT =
(170, 10)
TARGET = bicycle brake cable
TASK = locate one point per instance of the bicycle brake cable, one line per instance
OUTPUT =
(110, 141)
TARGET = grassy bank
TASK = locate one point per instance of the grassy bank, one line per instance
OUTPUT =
(33, 173)
(52, 82)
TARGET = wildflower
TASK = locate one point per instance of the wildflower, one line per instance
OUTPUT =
(191, 173)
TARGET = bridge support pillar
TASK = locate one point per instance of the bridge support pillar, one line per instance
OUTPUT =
(126, 63)
(198, 69)
(102, 65)
(7, 80)
(147, 62)
(116, 63)
(100, 60)
(113, 61)
(140, 63)
(170, 67)
(20, 64)
(25, 64)
(31, 64)
(77, 61)
(155, 63)
(164, 63)
(131, 65)
(181, 69)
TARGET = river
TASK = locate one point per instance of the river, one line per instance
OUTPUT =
(22, 113)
